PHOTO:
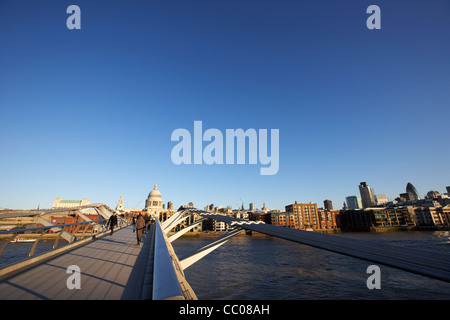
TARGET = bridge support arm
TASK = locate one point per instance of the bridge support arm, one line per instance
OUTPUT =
(103, 212)
(66, 235)
(178, 234)
(174, 220)
(202, 252)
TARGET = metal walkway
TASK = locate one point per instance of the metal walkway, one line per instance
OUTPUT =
(111, 268)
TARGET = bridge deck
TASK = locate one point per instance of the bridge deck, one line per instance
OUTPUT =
(112, 268)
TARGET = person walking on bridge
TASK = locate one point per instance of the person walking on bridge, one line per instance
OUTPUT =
(112, 222)
(139, 228)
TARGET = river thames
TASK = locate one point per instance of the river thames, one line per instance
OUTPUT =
(262, 267)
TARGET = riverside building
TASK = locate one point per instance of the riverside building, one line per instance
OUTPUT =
(303, 216)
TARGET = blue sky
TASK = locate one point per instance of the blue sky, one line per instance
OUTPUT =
(89, 113)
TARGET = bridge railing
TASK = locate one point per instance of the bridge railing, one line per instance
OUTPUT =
(165, 281)
(72, 232)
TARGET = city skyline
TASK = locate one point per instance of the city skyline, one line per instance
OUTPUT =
(89, 113)
(249, 205)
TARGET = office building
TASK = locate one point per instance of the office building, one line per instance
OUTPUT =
(367, 195)
(410, 189)
(284, 219)
(375, 219)
(431, 216)
(407, 196)
(353, 202)
(381, 199)
(305, 215)
(327, 219)
(327, 205)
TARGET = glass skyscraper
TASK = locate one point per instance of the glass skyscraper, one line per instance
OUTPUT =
(367, 195)
(353, 202)
(410, 189)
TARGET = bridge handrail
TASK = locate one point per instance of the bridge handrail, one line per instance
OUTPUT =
(50, 227)
(165, 281)
(101, 222)
(119, 220)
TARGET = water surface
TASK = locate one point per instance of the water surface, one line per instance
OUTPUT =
(269, 268)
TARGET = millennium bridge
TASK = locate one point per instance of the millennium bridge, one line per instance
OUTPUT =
(112, 269)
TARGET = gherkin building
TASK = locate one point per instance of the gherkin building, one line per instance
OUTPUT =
(410, 189)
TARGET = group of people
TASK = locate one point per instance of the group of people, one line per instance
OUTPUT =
(141, 225)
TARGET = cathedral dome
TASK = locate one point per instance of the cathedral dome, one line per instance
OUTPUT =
(154, 193)
(154, 200)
